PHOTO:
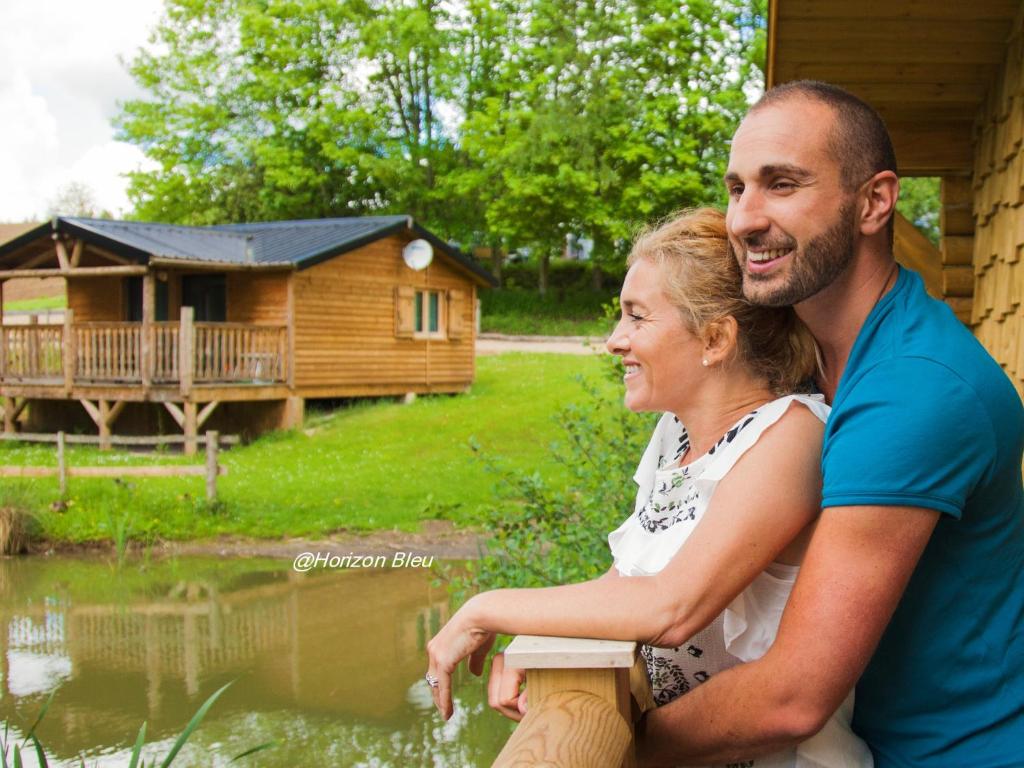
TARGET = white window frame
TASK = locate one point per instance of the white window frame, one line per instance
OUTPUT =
(421, 324)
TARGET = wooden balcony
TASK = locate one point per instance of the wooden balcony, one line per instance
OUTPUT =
(179, 355)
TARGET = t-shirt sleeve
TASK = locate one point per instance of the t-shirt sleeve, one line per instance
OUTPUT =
(909, 432)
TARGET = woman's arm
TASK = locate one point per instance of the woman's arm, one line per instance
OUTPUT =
(768, 498)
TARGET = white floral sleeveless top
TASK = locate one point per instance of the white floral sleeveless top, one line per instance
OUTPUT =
(670, 503)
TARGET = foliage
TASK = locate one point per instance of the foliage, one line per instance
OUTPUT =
(370, 466)
(919, 203)
(521, 311)
(75, 199)
(556, 531)
(493, 122)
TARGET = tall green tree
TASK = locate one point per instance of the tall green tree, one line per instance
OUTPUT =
(496, 122)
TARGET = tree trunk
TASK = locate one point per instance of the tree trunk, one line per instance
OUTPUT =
(542, 277)
(497, 261)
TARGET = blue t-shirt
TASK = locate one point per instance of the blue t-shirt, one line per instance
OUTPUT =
(924, 417)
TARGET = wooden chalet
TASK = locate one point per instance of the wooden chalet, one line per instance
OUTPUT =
(232, 327)
(948, 78)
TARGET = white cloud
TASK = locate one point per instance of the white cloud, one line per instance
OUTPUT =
(60, 81)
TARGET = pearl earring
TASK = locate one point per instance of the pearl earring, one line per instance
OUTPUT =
(704, 363)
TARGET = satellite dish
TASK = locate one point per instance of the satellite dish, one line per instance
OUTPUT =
(418, 254)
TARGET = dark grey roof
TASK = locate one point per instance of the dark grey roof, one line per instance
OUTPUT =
(298, 243)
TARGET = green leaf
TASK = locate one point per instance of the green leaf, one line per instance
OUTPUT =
(137, 750)
(197, 718)
(253, 750)
(39, 718)
(40, 755)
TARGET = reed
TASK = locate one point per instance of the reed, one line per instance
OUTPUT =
(13, 531)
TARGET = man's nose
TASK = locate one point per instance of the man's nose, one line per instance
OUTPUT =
(746, 215)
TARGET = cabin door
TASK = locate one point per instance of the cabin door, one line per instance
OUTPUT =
(207, 295)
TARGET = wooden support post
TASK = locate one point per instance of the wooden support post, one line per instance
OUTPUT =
(190, 428)
(69, 350)
(76, 252)
(62, 255)
(289, 363)
(104, 425)
(10, 411)
(578, 688)
(186, 359)
(62, 469)
(146, 341)
(212, 439)
(206, 412)
(176, 413)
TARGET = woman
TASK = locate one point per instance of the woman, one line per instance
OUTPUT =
(726, 505)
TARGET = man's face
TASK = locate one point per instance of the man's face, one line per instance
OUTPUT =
(790, 222)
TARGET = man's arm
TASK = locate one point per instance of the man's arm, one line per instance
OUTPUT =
(857, 565)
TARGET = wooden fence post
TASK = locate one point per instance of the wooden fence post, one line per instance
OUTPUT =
(212, 440)
(62, 467)
(580, 710)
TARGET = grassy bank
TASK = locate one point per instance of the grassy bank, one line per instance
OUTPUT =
(370, 466)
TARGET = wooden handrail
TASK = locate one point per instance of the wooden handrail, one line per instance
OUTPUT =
(582, 698)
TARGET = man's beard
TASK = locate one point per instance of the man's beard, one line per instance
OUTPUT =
(811, 270)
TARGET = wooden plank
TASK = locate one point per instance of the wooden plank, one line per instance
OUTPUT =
(884, 49)
(957, 250)
(923, 10)
(957, 281)
(42, 437)
(78, 272)
(119, 471)
(539, 652)
(907, 34)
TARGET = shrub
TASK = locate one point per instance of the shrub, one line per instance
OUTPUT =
(545, 535)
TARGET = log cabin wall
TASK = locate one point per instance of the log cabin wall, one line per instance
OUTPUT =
(345, 326)
(997, 315)
(96, 299)
(257, 298)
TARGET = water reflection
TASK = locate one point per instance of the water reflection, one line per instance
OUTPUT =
(329, 663)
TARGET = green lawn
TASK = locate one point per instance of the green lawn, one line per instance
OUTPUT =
(35, 305)
(374, 465)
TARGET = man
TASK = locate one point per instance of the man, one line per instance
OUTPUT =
(915, 574)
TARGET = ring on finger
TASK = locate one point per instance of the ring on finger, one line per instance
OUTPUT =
(432, 681)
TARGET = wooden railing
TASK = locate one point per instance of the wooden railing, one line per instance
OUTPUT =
(31, 352)
(108, 351)
(584, 698)
(234, 351)
(129, 353)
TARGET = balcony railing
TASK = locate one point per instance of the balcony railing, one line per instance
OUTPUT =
(162, 353)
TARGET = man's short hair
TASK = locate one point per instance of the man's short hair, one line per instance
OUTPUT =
(858, 137)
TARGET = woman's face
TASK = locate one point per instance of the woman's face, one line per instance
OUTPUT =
(661, 357)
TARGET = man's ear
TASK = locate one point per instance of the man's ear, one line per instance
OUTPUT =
(879, 202)
(719, 339)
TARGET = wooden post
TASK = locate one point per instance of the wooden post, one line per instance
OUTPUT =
(146, 336)
(289, 363)
(62, 469)
(70, 350)
(32, 363)
(190, 428)
(212, 438)
(186, 359)
(104, 425)
(9, 411)
(578, 688)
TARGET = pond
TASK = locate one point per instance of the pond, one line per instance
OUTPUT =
(329, 664)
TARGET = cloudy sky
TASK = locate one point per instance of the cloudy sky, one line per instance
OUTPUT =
(60, 81)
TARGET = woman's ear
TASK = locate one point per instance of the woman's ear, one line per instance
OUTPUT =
(719, 339)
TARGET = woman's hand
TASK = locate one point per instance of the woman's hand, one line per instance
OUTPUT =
(505, 692)
(458, 639)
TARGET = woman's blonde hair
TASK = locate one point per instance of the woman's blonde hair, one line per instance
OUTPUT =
(700, 276)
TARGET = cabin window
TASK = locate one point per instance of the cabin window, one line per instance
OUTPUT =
(427, 314)
(133, 300)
